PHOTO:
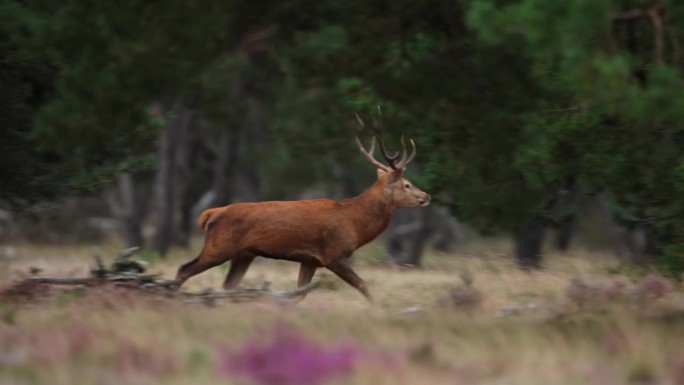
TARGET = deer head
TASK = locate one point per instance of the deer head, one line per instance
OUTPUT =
(400, 192)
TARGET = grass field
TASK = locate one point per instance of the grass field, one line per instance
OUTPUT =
(510, 327)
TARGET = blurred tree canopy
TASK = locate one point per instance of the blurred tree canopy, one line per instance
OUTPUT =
(516, 105)
(611, 119)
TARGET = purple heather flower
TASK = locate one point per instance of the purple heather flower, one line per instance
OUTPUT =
(290, 359)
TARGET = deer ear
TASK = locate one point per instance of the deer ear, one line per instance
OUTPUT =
(381, 172)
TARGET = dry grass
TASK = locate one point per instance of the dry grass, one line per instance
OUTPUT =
(525, 330)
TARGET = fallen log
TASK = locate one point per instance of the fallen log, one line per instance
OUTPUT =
(254, 293)
(63, 281)
(128, 272)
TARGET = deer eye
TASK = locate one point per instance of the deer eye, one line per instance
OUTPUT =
(407, 185)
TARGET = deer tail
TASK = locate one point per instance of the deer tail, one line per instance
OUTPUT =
(204, 218)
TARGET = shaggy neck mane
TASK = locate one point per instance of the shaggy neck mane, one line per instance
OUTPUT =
(370, 211)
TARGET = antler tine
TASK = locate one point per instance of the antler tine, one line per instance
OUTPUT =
(361, 123)
(372, 147)
(369, 154)
(390, 159)
(405, 163)
(403, 152)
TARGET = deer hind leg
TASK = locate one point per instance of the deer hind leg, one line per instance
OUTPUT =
(192, 268)
(238, 268)
(342, 270)
(306, 273)
(205, 261)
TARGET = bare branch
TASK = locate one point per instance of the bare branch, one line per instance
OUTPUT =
(63, 281)
(149, 282)
(100, 269)
(573, 108)
(127, 253)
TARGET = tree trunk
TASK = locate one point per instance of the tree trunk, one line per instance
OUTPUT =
(128, 205)
(132, 228)
(653, 246)
(185, 150)
(528, 243)
(185, 221)
(564, 235)
(395, 236)
(635, 245)
(406, 238)
(446, 231)
(224, 171)
(344, 184)
(394, 247)
(419, 238)
(166, 189)
(254, 135)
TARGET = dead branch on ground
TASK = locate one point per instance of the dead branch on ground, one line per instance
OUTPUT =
(126, 271)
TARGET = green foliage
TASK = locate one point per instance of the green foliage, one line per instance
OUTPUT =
(151, 257)
(105, 66)
(25, 171)
(616, 120)
(513, 104)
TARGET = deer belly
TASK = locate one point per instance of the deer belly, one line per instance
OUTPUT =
(295, 250)
(294, 257)
(294, 243)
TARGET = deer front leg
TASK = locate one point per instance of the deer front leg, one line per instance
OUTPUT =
(306, 273)
(342, 270)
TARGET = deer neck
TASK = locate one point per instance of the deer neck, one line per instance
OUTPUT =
(370, 213)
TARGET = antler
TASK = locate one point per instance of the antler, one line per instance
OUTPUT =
(369, 154)
(391, 159)
(404, 162)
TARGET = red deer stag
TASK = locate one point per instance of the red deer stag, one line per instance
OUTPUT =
(315, 233)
